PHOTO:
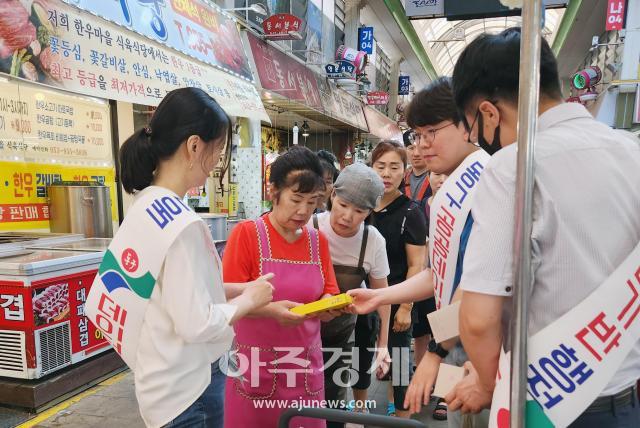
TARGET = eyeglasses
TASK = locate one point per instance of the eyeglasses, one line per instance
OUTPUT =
(469, 128)
(430, 135)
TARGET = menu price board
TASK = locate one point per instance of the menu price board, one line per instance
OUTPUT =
(38, 125)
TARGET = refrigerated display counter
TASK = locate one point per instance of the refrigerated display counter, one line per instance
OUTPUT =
(43, 327)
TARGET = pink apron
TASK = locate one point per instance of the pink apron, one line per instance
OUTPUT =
(279, 374)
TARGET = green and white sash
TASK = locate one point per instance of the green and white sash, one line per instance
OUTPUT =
(120, 293)
(573, 359)
(449, 212)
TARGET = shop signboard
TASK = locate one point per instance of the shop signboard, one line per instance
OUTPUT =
(365, 39)
(64, 47)
(41, 125)
(284, 75)
(415, 8)
(377, 98)
(196, 28)
(342, 105)
(23, 197)
(404, 85)
(381, 126)
(340, 70)
(282, 26)
(615, 15)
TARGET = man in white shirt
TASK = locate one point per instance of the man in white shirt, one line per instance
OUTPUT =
(584, 224)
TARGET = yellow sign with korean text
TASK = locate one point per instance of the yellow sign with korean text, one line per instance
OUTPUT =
(23, 191)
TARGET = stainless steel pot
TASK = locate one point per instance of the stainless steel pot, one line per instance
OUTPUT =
(80, 208)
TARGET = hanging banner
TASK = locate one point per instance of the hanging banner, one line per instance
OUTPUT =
(365, 39)
(284, 75)
(64, 47)
(39, 125)
(23, 197)
(196, 28)
(615, 15)
(404, 85)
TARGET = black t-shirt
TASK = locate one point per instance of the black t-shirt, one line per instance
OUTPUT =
(401, 222)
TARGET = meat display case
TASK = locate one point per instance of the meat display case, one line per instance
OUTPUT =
(44, 282)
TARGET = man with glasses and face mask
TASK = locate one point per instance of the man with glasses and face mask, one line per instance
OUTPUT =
(577, 242)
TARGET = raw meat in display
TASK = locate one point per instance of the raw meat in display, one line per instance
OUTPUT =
(52, 304)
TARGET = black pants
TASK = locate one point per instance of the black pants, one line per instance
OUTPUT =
(399, 345)
(337, 355)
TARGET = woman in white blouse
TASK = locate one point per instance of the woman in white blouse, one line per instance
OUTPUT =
(184, 318)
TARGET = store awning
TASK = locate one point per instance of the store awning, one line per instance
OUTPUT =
(237, 96)
(292, 86)
(381, 126)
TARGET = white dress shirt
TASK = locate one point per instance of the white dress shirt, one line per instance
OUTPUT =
(586, 219)
(186, 328)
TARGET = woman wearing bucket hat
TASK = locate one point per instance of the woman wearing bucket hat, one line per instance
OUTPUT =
(402, 224)
(358, 254)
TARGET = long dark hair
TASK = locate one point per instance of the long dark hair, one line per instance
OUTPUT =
(182, 113)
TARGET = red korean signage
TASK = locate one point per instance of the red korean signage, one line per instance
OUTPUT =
(85, 337)
(15, 302)
(615, 15)
(283, 75)
(280, 26)
(378, 98)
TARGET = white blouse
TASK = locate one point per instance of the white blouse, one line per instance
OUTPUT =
(185, 329)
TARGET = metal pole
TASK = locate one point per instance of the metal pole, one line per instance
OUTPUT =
(527, 120)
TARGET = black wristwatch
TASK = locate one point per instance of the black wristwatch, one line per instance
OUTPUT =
(437, 349)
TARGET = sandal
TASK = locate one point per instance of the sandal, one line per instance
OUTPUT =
(391, 409)
(440, 411)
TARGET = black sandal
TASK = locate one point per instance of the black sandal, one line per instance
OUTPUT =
(440, 411)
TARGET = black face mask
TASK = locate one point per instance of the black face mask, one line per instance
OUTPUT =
(482, 142)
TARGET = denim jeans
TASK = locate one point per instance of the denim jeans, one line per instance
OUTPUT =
(627, 416)
(208, 410)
